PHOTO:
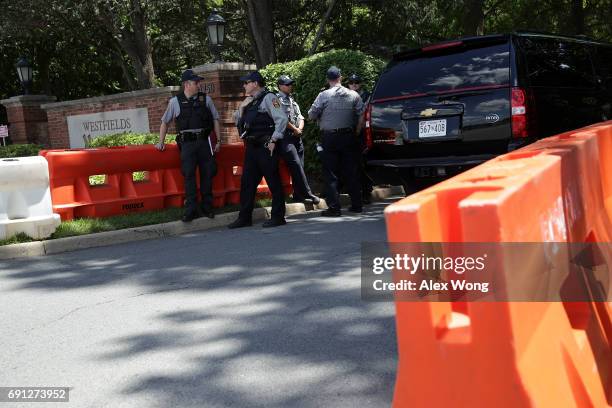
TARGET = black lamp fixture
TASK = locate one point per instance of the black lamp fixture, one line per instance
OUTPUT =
(24, 70)
(215, 25)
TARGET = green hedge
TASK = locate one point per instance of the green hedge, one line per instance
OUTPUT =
(309, 74)
(127, 139)
(19, 150)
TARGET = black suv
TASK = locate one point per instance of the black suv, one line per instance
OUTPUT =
(438, 110)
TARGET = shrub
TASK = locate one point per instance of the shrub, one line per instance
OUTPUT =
(127, 139)
(309, 74)
(19, 150)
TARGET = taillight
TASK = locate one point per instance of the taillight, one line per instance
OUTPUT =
(519, 113)
(368, 126)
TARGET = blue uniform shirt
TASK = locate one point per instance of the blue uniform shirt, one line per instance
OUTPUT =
(336, 107)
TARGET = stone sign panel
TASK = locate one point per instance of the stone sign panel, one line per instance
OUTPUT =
(82, 128)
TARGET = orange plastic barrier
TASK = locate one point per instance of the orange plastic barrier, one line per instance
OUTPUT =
(285, 177)
(511, 354)
(73, 196)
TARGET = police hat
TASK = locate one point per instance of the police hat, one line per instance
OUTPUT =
(333, 72)
(284, 80)
(189, 75)
(254, 76)
(354, 78)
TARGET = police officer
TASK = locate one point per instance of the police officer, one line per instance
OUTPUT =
(291, 145)
(195, 116)
(338, 111)
(354, 83)
(261, 122)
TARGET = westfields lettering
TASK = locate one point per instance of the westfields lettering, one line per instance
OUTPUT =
(104, 125)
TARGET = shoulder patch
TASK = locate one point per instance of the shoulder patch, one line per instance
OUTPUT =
(275, 103)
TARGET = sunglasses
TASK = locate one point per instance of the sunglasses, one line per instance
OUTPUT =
(247, 82)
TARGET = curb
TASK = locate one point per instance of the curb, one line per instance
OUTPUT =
(169, 229)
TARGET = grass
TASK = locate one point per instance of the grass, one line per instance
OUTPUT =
(17, 239)
(84, 226)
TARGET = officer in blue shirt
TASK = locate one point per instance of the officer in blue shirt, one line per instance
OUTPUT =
(195, 116)
(338, 111)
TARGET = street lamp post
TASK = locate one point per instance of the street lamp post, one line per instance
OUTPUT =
(24, 70)
(215, 25)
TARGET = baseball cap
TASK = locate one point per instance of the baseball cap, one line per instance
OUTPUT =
(354, 78)
(285, 80)
(189, 75)
(254, 76)
(333, 72)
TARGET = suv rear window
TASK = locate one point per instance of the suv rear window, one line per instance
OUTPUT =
(558, 63)
(603, 63)
(455, 68)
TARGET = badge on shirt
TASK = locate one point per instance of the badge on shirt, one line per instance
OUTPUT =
(275, 103)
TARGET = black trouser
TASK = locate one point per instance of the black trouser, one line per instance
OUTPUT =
(257, 164)
(340, 156)
(194, 154)
(290, 149)
(366, 182)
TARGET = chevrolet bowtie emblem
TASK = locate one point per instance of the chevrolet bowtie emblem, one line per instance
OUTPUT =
(429, 112)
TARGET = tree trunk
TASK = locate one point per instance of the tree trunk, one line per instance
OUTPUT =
(127, 76)
(473, 17)
(132, 39)
(578, 16)
(142, 43)
(43, 54)
(315, 43)
(261, 27)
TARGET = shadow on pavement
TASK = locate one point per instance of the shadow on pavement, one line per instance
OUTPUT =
(281, 321)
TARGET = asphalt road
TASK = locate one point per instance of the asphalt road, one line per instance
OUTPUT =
(243, 318)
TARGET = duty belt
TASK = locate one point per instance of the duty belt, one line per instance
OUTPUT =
(338, 130)
(189, 136)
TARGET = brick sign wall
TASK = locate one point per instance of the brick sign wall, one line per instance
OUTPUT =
(153, 100)
(38, 119)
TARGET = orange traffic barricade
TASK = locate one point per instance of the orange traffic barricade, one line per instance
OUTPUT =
(511, 354)
(74, 196)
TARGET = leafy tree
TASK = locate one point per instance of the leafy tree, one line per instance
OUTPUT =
(80, 49)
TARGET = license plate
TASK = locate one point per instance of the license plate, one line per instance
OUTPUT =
(432, 128)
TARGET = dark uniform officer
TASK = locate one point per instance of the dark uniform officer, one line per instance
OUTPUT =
(354, 83)
(261, 123)
(291, 145)
(338, 111)
(195, 116)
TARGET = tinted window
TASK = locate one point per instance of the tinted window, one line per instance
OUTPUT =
(461, 68)
(557, 63)
(603, 63)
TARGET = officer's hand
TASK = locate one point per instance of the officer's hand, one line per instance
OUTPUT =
(298, 131)
(271, 145)
(160, 146)
(217, 147)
